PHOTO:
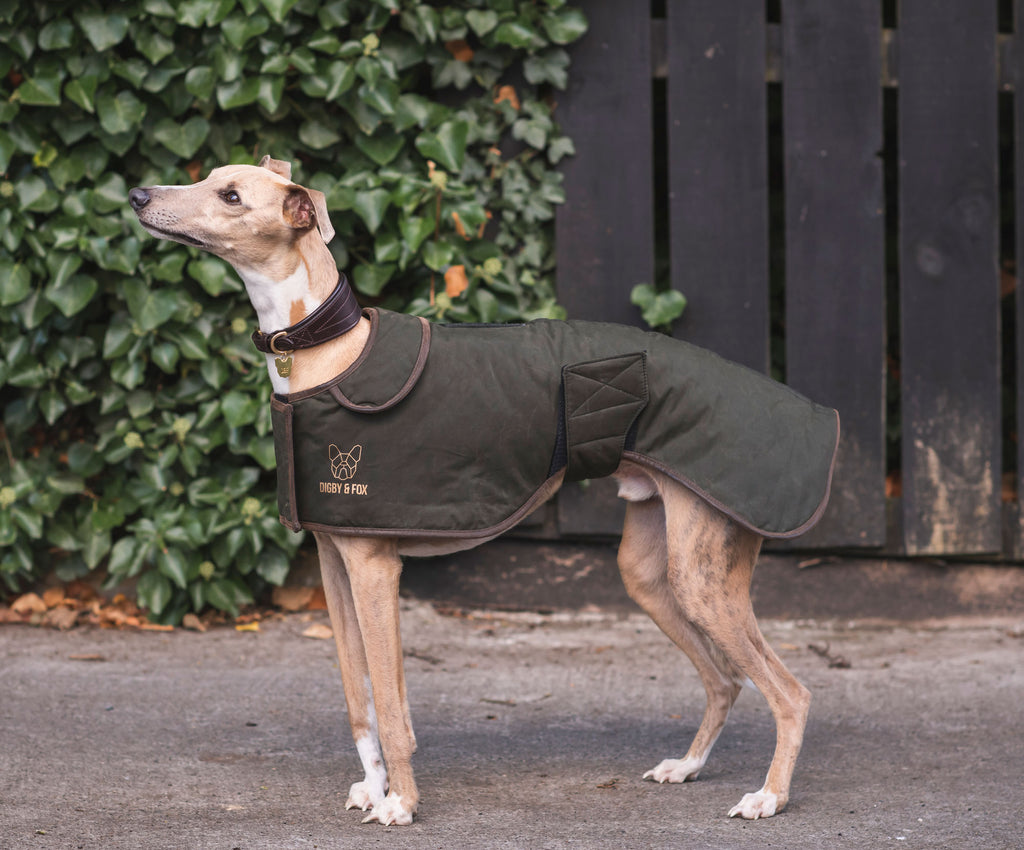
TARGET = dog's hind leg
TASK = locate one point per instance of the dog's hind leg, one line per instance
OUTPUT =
(355, 677)
(711, 563)
(643, 562)
(373, 567)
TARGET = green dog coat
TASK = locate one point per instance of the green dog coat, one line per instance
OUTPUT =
(453, 430)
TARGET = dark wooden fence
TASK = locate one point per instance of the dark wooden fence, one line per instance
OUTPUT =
(832, 188)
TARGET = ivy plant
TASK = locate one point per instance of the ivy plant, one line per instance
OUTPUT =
(136, 434)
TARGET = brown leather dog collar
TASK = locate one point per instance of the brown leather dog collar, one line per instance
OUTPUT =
(338, 314)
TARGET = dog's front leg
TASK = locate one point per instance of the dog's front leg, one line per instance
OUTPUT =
(355, 677)
(373, 568)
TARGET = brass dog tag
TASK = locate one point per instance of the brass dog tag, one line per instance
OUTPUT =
(284, 366)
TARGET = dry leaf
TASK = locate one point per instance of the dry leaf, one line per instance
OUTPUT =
(155, 627)
(29, 603)
(61, 618)
(191, 621)
(292, 598)
(455, 281)
(460, 49)
(460, 228)
(318, 631)
(508, 93)
(483, 225)
(53, 596)
(247, 627)
(319, 600)
(8, 616)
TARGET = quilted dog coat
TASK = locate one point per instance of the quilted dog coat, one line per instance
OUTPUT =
(452, 430)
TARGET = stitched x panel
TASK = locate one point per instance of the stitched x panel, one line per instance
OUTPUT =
(602, 401)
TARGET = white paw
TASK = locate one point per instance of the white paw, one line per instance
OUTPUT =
(676, 770)
(393, 810)
(761, 804)
(364, 796)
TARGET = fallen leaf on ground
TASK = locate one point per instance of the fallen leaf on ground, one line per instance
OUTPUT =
(28, 603)
(192, 622)
(53, 596)
(247, 627)
(61, 618)
(318, 631)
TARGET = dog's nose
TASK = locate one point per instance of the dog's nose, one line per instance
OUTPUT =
(138, 198)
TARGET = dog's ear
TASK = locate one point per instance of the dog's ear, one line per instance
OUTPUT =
(305, 207)
(278, 166)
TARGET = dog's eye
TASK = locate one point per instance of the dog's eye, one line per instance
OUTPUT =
(230, 196)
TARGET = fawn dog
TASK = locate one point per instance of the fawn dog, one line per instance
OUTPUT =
(685, 562)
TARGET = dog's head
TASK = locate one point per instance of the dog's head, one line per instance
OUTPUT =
(243, 213)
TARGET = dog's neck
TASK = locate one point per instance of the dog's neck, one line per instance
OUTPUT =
(285, 302)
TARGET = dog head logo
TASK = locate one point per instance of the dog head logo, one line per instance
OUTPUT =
(343, 464)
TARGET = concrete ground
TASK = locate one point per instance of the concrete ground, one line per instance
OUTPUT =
(534, 732)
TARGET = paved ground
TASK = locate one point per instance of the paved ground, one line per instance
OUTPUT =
(534, 732)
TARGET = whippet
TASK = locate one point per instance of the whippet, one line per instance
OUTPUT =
(684, 561)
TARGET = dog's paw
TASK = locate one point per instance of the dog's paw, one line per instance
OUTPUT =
(392, 811)
(363, 796)
(675, 770)
(760, 804)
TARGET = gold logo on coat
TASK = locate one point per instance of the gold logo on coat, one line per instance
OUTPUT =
(343, 468)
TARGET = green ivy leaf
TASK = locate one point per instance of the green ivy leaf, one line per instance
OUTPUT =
(15, 282)
(549, 66)
(519, 35)
(414, 230)
(482, 21)
(381, 148)
(564, 25)
(318, 135)
(82, 91)
(121, 112)
(278, 9)
(201, 81)
(446, 146)
(72, 295)
(39, 91)
(370, 279)
(370, 206)
(240, 92)
(659, 309)
(238, 28)
(103, 28)
(213, 274)
(154, 592)
(35, 196)
(183, 139)
(438, 255)
(239, 408)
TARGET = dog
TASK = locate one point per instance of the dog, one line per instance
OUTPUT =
(683, 560)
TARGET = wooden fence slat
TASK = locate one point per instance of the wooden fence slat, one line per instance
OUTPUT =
(605, 230)
(949, 296)
(835, 245)
(1019, 173)
(718, 175)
